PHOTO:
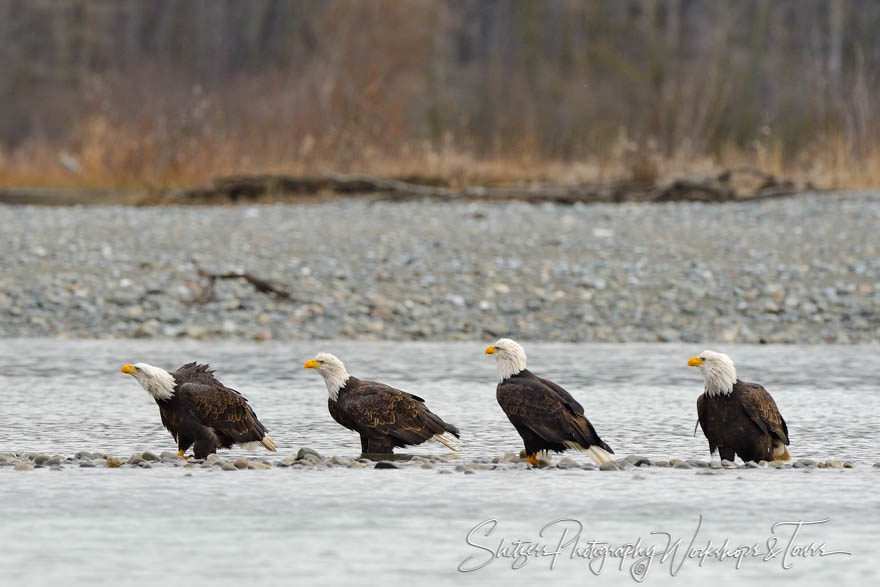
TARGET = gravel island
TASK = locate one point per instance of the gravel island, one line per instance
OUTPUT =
(804, 269)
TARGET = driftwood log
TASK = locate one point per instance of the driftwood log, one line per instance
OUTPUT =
(725, 187)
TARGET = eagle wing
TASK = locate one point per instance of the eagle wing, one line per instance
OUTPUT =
(762, 410)
(702, 418)
(381, 410)
(223, 409)
(538, 407)
(566, 397)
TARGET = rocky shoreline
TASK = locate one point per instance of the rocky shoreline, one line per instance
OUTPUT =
(794, 270)
(309, 459)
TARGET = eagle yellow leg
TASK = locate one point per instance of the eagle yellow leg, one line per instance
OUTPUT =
(180, 454)
(532, 460)
(782, 457)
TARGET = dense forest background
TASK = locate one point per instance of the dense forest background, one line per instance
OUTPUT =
(178, 91)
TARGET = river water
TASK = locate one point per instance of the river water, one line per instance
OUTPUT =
(174, 525)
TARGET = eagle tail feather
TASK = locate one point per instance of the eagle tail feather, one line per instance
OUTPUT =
(596, 453)
(269, 444)
(447, 439)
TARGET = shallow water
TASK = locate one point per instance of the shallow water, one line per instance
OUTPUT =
(169, 524)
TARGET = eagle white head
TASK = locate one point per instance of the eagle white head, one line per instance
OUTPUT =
(332, 370)
(158, 382)
(510, 358)
(718, 371)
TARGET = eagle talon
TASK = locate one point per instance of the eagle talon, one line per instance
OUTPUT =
(181, 455)
(532, 460)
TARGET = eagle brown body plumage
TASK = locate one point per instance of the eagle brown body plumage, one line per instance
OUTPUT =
(744, 423)
(385, 417)
(206, 415)
(545, 415)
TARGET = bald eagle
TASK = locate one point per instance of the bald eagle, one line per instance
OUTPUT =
(383, 416)
(546, 416)
(198, 410)
(738, 418)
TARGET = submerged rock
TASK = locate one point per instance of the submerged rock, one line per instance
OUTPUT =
(609, 466)
(148, 456)
(240, 463)
(386, 465)
(23, 466)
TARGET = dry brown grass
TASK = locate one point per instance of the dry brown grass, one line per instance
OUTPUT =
(103, 155)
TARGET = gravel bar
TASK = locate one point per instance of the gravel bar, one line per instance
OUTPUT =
(795, 270)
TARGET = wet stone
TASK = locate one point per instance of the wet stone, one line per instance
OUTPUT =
(87, 464)
(609, 466)
(303, 452)
(144, 465)
(258, 466)
(681, 465)
(228, 467)
(715, 465)
(113, 463)
(386, 465)
(135, 460)
(148, 456)
(23, 466)
(848, 465)
(803, 463)
(41, 459)
(240, 463)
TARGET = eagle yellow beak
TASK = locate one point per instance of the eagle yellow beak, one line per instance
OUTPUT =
(695, 362)
(128, 369)
(491, 350)
(312, 364)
